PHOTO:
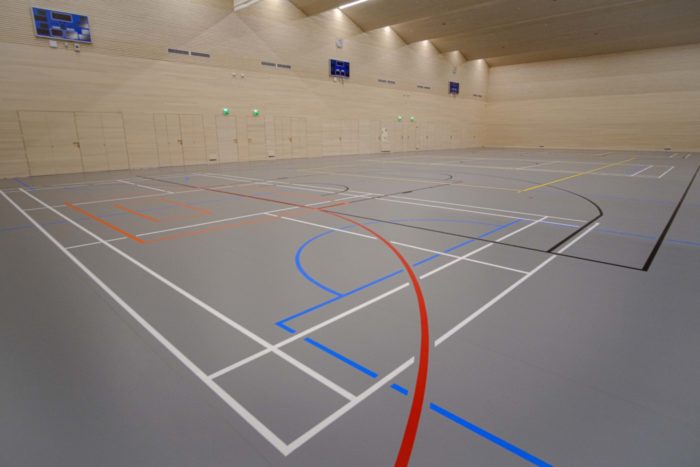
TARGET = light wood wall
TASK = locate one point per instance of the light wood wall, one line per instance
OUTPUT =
(636, 100)
(125, 102)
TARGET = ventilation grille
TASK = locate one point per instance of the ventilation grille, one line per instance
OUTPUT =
(200, 54)
(178, 51)
(280, 65)
(268, 64)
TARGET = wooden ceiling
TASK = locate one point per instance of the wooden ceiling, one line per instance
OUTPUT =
(506, 32)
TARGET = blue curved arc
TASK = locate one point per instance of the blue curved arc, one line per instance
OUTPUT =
(302, 271)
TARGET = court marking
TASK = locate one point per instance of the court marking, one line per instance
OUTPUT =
(136, 213)
(579, 174)
(667, 171)
(355, 309)
(641, 171)
(146, 187)
(234, 324)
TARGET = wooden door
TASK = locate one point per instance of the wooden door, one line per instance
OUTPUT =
(350, 137)
(51, 142)
(115, 140)
(257, 148)
(283, 137)
(92, 141)
(194, 148)
(299, 137)
(227, 136)
(409, 140)
(332, 137)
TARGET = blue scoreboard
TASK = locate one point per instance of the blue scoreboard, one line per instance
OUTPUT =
(454, 87)
(60, 25)
(340, 68)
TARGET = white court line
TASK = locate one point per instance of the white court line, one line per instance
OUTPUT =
(537, 165)
(414, 247)
(492, 209)
(572, 242)
(240, 328)
(99, 201)
(498, 297)
(643, 170)
(347, 407)
(145, 186)
(201, 224)
(492, 302)
(667, 171)
(360, 307)
(226, 397)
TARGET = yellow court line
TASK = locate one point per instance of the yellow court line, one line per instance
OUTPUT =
(576, 175)
(402, 179)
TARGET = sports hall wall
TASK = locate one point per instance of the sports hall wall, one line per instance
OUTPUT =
(125, 102)
(636, 100)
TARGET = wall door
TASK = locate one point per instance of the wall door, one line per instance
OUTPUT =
(299, 148)
(227, 136)
(102, 141)
(51, 142)
(169, 139)
(194, 149)
(370, 136)
(92, 141)
(283, 137)
(257, 148)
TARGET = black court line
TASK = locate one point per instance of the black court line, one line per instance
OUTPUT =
(485, 240)
(652, 256)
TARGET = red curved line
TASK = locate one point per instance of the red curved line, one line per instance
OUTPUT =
(411, 429)
(409, 435)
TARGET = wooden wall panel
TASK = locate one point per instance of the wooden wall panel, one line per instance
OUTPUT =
(299, 137)
(13, 159)
(257, 139)
(637, 100)
(227, 134)
(115, 141)
(141, 140)
(194, 148)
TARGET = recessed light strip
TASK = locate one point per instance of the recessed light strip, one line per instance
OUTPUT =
(348, 5)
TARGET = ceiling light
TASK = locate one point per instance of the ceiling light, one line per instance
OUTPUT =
(348, 5)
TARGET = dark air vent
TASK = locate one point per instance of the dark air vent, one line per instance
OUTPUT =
(178, 51)
(268, 64)
(200, 54)
(288, 67)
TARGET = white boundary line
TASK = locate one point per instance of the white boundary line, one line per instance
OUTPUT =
(498, 297)
(359, 307)
(226, 397)
(217, 221)
(572, 242)
(643, 170)
(146, 187)
(211, 310)
(667, 171)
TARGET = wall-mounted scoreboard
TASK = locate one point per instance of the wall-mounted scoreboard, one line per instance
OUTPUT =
(61, 26)
(340, 68)
(454, 88)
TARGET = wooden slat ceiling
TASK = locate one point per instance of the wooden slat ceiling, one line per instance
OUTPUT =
(506, 32)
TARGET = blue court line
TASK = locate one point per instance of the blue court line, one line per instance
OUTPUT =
(23, 183)
(300, 267)
(434, 407)
(303, 272)
(489, 436)
(342, 358)
(399, 389)
(283, 322)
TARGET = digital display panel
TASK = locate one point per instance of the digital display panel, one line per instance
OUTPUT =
(340, 68)
(61, 25)
(454, 87)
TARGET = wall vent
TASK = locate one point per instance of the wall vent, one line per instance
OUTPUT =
(200, 54)
(268, 64)
(280, 65)
(178, 51)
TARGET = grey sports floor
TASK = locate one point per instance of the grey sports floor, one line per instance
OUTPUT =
(234, 315)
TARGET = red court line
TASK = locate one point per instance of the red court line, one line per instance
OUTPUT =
(104, 222)
(136, 213)
(186, 206)
(411, 429)
(409, 436)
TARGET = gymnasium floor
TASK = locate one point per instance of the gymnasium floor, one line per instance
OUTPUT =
(261, 313)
